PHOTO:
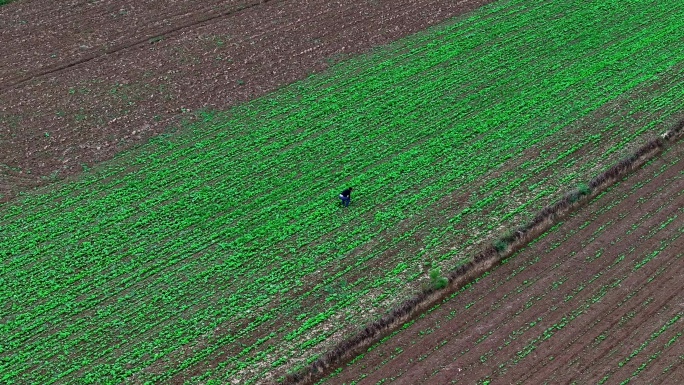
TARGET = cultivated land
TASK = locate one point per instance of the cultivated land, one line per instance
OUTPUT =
(220, 254)
(593, 300)
(102, 76)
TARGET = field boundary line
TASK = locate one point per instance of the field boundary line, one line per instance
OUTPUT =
(503, 247)
(140, 41)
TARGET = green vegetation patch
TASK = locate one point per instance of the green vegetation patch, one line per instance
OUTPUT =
(224, 250)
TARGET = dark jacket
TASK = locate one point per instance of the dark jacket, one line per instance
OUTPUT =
(346, 193)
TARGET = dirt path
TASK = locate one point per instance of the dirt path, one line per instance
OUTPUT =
(101, 76)
(573, 306)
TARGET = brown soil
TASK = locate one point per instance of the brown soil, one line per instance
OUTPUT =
(482, 332)
(101, 76)
(110, 87)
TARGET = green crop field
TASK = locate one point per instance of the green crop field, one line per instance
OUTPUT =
(602, 284)
(221, 253)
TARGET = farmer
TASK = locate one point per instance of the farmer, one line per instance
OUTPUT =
(346, 196)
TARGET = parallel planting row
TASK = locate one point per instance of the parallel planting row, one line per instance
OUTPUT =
(593, 300)
(222, 254)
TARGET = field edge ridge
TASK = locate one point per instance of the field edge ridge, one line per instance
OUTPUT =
(503, 247)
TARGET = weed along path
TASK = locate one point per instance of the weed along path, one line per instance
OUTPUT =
(220, 254)
(593, 300)
(103, 76)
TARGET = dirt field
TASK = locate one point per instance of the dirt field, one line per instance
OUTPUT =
(595, 300)
(101, 76)
(118, 73)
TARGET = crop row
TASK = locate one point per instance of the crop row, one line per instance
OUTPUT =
(651, 194)
(599, 293)
(234, 227)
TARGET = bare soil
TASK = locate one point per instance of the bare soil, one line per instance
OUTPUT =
(83, 80)
(103, 76)
(609, 310)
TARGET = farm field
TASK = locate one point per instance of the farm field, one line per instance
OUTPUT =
(220, 254)
(593, 300)
(105, 75)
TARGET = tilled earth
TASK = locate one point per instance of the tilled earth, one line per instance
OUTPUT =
(82, 80)
(593, 302)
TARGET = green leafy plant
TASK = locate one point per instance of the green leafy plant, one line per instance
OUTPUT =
(438, 281)
(500, 245)
(147, 249)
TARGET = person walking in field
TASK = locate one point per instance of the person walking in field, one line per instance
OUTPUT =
(346, 196)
